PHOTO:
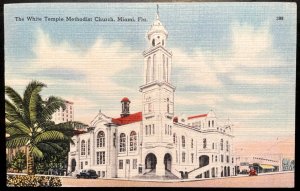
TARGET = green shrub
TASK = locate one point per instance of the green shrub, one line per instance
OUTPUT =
(32, 181)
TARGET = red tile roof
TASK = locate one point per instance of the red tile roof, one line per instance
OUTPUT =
(132, 118)
(197, 116)
(125, 99)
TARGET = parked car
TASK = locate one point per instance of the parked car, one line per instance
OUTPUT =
(252, 172)
(87, 174)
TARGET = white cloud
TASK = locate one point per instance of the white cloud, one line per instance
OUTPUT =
(245, 98)
(250, 48)
(99, 64)
(210, 100)
(248, 113)
(257, 79)
(196, 69)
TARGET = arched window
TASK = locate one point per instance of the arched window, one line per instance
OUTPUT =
(204, 143)
(192, 143)
(183, 141)
(208, 123)
(83, 147)
(174, 138)
(133, 141)
(122, 142)
(213, 145)
(213, 123)
(221, 144)
(101, 139)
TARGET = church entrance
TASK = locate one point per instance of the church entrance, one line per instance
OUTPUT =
(73, 165)
(168, 162)
(150, 161)
(203, 160)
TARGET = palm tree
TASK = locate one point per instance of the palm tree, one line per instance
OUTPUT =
(28, 122)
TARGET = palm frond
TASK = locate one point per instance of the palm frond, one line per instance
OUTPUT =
(30, 99)
(36, 152)
(11, 110)
(14, 96)
(12, 114)
(18, 126)
(17, 141)
(46, 147)
(49, 136)
(51, 106)
(12, 130)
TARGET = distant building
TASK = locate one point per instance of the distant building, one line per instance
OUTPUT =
(261, 163)
(64, 115)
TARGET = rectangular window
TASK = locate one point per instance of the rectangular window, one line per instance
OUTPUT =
(204, 143)
(176, 156)
(89, 147)
(222, 158)
(120, 164)
(192, 157)
(192, 143)
(134, 164)
(81, 165)
(86, 162)
(227, 159)
(146, 129)
(165, 129)
(149, 107)
(101, 157)
(103, 174)
(183, 156)
(183, 141)
(153, 129)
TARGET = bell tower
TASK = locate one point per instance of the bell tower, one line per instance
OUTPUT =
(157, 90)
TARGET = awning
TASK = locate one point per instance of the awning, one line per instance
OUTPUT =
(266, 166)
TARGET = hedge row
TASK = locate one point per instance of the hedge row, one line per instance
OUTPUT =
(32, 181)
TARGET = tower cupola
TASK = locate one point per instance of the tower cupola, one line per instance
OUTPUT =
(125, 107)
(157, 34)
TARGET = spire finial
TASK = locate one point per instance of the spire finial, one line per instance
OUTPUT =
(157, 11)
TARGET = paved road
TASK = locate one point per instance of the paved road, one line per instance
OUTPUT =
(270, 180)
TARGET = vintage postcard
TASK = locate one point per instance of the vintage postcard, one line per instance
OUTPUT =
(150, 94)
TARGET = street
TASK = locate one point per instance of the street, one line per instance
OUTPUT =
(263, 180)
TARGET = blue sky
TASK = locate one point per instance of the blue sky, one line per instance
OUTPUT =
(235, 58)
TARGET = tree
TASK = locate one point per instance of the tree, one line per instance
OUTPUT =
(19, 161)
(28, 122)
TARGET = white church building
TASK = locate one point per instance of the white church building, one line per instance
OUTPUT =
(155, 142)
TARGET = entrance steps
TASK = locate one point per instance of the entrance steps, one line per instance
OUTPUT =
(151, 175)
